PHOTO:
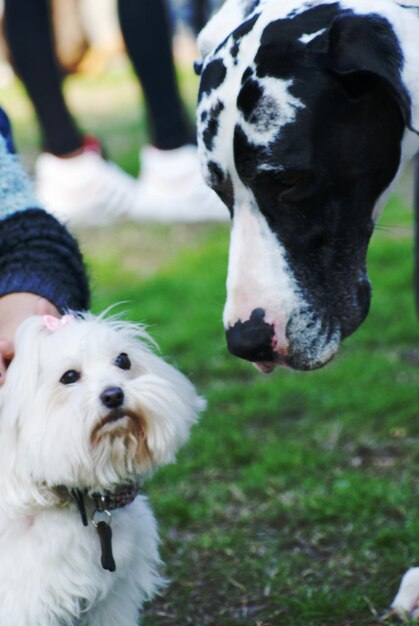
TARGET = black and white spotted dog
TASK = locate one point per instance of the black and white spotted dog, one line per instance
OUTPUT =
(307, 112)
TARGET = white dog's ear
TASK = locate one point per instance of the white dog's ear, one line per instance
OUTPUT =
(16, 401)
(23, 370)
(18, 391)
(22, 374)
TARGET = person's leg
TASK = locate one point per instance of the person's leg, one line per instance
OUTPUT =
(170, 185)
(29, 35)
(73, 180)
(146, 31)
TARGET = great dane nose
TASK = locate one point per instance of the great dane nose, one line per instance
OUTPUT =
(112, 397)
(252, 340)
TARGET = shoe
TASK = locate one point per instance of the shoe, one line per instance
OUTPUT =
(171, 188)
(84, 190)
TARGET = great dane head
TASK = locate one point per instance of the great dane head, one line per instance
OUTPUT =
(306, 111)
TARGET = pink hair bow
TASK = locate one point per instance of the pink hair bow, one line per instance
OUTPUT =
(53, 324)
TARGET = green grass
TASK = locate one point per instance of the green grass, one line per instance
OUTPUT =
(295, 501)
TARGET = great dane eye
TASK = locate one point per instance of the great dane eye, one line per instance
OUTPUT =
(276, 184)
(123, 361)
(70, 377)
(291, 181)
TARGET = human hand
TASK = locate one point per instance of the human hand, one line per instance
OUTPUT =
(14, 308)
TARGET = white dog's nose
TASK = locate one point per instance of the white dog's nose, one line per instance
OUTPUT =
(112, 397)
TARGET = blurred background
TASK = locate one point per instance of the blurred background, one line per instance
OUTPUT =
(295, 501)
(90, 50)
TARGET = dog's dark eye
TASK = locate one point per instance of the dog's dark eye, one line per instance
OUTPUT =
(275, 184)
(122, 361)
(70, 377)
(286, 183)
(291, 181)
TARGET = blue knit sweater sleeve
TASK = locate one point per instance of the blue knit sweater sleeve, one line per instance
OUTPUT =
(37, 253)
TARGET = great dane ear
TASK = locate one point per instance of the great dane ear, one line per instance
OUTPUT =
(364, 51)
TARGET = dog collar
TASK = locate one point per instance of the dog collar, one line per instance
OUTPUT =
(103, 504)
(111, 500)
(106, 500)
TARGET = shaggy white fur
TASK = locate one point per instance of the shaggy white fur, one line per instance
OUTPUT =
(406, 603)
(87, 406)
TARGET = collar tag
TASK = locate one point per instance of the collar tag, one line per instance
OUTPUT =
(105, 537)
(101, 520)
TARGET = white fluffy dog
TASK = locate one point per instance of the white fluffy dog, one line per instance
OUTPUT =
(87, 411)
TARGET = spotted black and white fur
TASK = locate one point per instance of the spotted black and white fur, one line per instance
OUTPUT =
(307, 112)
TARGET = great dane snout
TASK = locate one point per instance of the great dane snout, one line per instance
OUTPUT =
(253, 339)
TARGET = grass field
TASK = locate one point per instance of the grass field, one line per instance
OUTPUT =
(295, 501)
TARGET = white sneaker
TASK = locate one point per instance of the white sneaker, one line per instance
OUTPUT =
(84, 189)
(171, 188)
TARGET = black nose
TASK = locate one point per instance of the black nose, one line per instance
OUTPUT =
(252, 340)
(112, 397)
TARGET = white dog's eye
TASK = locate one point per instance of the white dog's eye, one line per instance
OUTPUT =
(70, 377)
(123, 361)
